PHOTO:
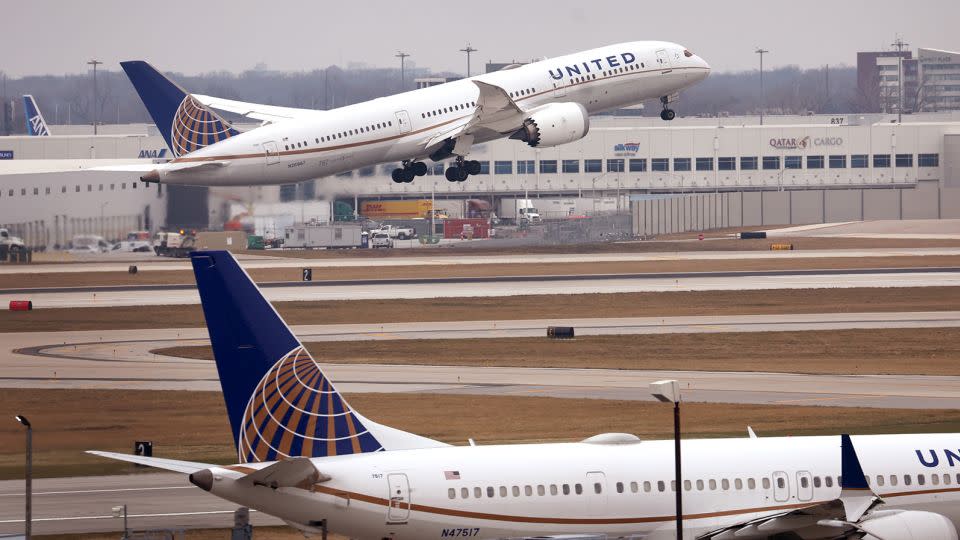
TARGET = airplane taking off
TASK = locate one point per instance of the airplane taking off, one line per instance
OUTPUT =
(308, 458)
(36, 125)
(543, 104)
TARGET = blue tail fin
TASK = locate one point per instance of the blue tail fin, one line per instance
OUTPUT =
(279, 401)
(185, 123)
(36, 125)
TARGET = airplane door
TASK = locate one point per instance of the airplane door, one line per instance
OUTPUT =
(271, 152)
(804, 486)
(399, 509)
(663, 61)
(596, 492)
(781, 486)
(403, 121)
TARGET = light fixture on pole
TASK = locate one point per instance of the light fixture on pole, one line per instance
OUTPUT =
(669, 392)
(763, 94)
(468, 49)
(95, 63)
(402, 56)
(28, 520)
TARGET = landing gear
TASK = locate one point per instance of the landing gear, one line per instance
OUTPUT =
(409, 170)
(667, 113)
(463, 169)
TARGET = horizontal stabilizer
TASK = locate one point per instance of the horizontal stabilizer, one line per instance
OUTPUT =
(295, 472)
(186, 467)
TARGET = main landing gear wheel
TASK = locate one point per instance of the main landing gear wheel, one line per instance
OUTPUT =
(667, 114)
(473, 167)
(456, 173)
(406, 174)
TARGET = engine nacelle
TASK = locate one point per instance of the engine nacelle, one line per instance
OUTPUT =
(554, 124)
(908, 525)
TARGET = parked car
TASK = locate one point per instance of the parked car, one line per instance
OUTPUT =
(380, 239)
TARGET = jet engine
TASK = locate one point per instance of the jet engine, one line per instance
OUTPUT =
(554, 124)
(907, 525)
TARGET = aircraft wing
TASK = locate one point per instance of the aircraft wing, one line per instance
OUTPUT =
(256, 111)
(496, 111)
(186, 467)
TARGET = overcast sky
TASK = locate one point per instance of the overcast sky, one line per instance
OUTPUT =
(56, 36)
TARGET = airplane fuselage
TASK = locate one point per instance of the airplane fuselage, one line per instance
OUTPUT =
(405, 127)
(601, 488)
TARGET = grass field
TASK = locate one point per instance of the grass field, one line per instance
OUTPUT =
(193, 425)
(516, 307)
(914, 351)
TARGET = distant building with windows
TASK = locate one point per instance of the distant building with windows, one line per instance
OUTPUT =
(930, 81)
(427, 82)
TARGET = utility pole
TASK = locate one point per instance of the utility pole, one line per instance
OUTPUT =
(763, 94)
(28, 522)
(899, 44)
(402, 56)
(468, 50)
(94, 63)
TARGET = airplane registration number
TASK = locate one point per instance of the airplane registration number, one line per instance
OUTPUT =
(452, 533)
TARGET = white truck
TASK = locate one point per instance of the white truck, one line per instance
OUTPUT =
(12, 243)
(396, 232)
(173, 244)
(519, 211)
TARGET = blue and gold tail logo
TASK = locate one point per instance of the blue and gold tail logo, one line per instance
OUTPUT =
(195, 127)
(295, 411)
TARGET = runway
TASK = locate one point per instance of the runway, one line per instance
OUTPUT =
(266, 261)
(121, 360)
(83, 504)
(503, 286)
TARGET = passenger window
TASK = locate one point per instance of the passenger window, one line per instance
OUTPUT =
(516, 491)
(828, 480)
(725, 484)
(477, 493)
(804, 482)
(907, 480)
(566, 489)
(317, 140)
(553, 489)
(699, 485)
(816, 481)
(452, 493)
(619, 487)
(893, 479)
(766, 483)
(687, 485)
(661, 486)
(713, 484)
(738, 483)
(921, 480)
(528, 491)
(489, 491)
(946, 479)
(540, 490)
(578, 489)
(597, 488)
(935, 479)
(503, 491)
(634, 487)
(646, 486)
(464, 493)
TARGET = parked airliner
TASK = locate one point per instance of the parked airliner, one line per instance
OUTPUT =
(305, 456)
(543, 104)
(36, 125)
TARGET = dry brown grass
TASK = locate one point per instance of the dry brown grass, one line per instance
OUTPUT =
(262, 275)
(914, 351)
(663, 304)
(193, 425)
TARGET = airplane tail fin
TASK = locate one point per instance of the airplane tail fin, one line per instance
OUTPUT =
(186, 124)
(36, 125)
(278, 399)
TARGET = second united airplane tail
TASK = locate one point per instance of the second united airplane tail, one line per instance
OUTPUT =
(279, 401)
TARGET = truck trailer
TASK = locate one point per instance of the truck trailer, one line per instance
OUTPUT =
(320, 236)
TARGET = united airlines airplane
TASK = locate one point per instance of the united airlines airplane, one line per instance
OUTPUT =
(305, 456)
(543, 104)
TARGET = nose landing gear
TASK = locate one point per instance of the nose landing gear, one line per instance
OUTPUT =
(410, 169)
(667, 113)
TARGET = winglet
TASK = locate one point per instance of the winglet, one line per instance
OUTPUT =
(855, 492)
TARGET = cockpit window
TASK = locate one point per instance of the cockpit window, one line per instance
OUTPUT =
(687, 53)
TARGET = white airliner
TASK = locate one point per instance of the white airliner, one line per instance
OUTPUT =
(544, 104)
(306, 457)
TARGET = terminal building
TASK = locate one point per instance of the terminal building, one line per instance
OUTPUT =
(691, 174)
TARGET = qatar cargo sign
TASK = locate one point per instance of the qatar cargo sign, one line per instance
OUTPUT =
(801, 143)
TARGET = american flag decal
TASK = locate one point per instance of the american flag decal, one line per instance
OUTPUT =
(451, 475)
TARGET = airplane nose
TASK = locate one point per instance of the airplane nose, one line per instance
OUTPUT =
(701, 63)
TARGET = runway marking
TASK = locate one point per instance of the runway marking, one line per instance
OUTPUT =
(95, 491)
(168, 514)
(836, 398)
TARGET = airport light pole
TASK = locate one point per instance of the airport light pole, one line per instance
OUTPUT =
(668, 391)
(763, 94)
(899, 44)
(28, 519)
(94, 63)
(468, 49)
(402, 56)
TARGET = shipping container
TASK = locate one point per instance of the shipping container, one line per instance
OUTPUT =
(310, 236)
(455, 228)
(405, 209)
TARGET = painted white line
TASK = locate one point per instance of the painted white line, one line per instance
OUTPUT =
(169, 514)
(35, 493)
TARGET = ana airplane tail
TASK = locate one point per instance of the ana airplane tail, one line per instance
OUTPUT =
(185, 123)
(36, 125)
(279, 401)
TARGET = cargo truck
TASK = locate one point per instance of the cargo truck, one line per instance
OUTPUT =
(404, 209)
(518, 211)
